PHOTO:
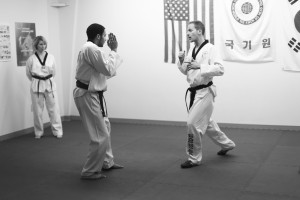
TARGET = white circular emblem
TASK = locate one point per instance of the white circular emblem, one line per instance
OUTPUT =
(247, 11)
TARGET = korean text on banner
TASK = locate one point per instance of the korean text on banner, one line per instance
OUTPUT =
(246, 32)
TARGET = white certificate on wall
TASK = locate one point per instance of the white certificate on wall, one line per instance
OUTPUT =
(5, 47)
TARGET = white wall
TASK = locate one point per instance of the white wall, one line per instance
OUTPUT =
(62, 23)
(15, 102)
(259, 93)
(148, 88)
(145, 87)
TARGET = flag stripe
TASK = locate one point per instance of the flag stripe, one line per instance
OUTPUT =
(211, 17)
(173, 43)
(187, 42)
(195, 10)
(166, 41)
(170, 42)
(205, 19)
(180, 35)
(203, 13)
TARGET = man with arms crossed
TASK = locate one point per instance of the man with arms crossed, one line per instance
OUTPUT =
(200, 65)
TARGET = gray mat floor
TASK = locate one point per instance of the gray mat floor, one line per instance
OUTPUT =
(263, 166)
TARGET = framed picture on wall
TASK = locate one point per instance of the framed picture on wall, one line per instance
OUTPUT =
(5, 48)
(25, 34)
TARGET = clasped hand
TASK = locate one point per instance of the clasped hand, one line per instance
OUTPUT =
(192, 65)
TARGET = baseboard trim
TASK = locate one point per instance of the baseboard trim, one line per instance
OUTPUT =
(260, 127)
(159, 122)
(222, 125)
(16, 134)
(147, 122)
(21, 132)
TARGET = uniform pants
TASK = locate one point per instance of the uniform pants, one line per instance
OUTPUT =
(199, 122)
(51, 101)
(98, 127)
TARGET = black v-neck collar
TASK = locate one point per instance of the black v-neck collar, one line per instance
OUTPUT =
(45, 58)
(194, 54)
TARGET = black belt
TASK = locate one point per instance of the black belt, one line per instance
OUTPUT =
(193, 91)
(101, 97)
(43, 78)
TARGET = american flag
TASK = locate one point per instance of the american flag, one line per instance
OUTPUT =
(177, 14)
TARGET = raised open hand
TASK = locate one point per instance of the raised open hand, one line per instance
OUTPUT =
(112, 42)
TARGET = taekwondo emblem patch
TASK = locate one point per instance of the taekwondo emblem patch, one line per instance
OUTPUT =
(294, 44)
(247, 11)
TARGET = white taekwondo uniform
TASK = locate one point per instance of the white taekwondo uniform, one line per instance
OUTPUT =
(43, 91)
(93, 69)
(199, 119)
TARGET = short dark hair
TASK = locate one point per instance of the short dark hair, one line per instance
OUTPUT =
(199, 26)
(93, 30)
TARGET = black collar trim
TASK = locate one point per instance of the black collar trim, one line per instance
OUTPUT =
(194, 54)
(45, 58)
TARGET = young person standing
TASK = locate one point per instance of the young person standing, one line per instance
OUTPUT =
(93, 70)
(200, 65)
(40, 70)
